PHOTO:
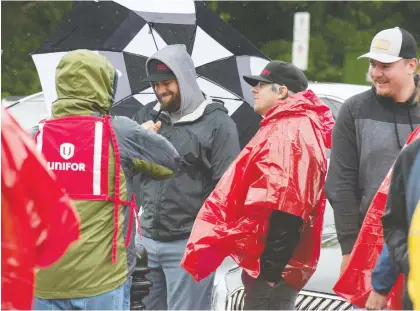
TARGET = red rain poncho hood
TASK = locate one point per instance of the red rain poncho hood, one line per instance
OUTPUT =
(282, 168)
(37, 220)
(355, 283)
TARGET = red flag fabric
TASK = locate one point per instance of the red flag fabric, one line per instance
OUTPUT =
(38, 220)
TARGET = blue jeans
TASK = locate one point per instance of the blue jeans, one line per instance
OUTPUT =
(173, 287)
(117, 299)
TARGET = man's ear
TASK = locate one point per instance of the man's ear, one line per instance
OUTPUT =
(282, 94)
(413, 65)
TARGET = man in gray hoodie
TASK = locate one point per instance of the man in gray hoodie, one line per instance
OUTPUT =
(207, 140)
(369, 133)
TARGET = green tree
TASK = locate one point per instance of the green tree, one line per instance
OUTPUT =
(25, 25)
(338, 29)
(339, 32)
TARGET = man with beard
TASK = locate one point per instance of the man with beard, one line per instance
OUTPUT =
(207, 140)
(369, 133)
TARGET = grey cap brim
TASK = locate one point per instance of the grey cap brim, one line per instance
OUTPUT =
(253, 80)
(380, 57)
(159, 77)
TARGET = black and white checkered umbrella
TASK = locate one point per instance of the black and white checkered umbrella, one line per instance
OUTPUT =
(128, 32)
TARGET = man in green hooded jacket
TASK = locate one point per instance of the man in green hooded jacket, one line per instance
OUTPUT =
(90, 275)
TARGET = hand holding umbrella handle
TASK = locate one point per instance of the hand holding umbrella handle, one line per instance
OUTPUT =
(157, 116)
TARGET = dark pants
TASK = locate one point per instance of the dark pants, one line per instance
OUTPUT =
(261, 296)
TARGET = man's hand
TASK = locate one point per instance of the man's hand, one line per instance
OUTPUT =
(375, 301)
(271, 284)
(344, 263)
(150, 125)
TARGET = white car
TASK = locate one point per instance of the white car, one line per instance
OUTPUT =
(228, 291)
(28, 111)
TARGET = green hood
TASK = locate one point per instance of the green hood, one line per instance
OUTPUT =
(84, 84)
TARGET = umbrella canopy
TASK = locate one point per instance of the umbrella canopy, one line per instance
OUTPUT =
(128, 32)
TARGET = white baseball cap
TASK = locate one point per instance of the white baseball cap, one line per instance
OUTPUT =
(392, 45)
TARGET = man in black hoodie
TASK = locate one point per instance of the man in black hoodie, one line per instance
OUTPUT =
(207, 140)
(370, 131)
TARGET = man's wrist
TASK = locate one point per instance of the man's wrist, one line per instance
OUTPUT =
(347, 245)
(271, 277)
(382, 292)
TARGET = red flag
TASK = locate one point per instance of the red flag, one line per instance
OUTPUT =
(38, 220)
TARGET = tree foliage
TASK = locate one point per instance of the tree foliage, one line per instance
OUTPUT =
(339, 32)
(337, 28)
(25, 25)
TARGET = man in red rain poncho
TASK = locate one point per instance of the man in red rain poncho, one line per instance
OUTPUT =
(37, 220)
(267, 210)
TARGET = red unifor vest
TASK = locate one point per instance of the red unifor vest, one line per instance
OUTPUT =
(77, 151)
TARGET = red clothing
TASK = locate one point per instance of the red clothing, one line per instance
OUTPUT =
(355, 283)
(77, 148)
(282, 168)
(38, 221)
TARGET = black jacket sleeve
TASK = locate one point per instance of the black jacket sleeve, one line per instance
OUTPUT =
(282, 239)
(341, 186)
(395, 219)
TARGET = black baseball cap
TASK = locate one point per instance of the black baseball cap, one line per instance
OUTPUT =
(282, 73)
(158, 71)
(391, 45)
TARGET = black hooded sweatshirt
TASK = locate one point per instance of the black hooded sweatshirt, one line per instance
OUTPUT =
(368, 135)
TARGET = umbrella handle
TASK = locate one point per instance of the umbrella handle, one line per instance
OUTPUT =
(157, 116)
